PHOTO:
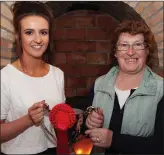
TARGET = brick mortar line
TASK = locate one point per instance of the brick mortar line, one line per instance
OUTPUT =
(136, 5)
(5, 58)
(82, 52)
(9, 7)
(7, 40)
(7, 18)
(7, 49)
(160, 50)
(146, 8)
(160, 42)
(9, 31)
(157, 32)
(160, 22)
(133, 7)
(88, 41)
(90, 65)
(12, 58)
(10, 61)
(154, 13)
(82, 40)
(79, 28)
(11, 40)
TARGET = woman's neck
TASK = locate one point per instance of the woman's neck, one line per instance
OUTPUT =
(126, 81)
(32, 67)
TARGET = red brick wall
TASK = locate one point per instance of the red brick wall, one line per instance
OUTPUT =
(82, 46)
(79, 52)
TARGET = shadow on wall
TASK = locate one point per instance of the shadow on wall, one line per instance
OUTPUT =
(78, 102)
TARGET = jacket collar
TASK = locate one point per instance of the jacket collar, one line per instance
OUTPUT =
(147, 87)
(108, 82)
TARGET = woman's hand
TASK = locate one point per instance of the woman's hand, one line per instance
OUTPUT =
(95, 119)
(36, 113)
(101, 137)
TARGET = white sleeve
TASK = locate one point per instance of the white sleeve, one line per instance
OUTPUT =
(5, 96)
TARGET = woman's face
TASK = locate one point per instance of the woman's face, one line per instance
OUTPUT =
(131, 53)
(34, 36)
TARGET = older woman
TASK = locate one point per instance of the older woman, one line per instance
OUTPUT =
(130, 96)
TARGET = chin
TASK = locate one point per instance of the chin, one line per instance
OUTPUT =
(37, 54)
(132, 71)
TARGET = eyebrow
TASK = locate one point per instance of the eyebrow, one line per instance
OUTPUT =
(34, 30)
(139, 41)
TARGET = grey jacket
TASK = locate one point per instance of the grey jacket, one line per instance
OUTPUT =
(140, 107)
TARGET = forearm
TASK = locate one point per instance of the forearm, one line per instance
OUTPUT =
(12, 129)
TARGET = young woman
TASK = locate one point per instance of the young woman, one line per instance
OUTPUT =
(30, 82)
(130, 96)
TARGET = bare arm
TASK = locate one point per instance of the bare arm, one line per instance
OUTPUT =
(12, 129)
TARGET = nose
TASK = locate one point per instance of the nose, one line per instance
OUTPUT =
(130, 51)
(38, 39)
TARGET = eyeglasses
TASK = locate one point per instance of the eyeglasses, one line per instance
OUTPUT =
(135, 46)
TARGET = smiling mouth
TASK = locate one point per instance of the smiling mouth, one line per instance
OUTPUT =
(37, 46)
(131, 60)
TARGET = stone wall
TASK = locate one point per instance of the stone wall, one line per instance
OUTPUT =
(7, 34)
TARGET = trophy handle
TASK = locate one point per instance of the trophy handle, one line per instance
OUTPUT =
(45, 128)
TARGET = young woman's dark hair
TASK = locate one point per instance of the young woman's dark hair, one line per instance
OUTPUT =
(135, 27)
(27, 8)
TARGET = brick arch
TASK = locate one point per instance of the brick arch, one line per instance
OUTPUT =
(77, 52)
(124, 10)
(118, 10)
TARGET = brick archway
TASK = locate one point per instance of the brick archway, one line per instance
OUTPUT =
(118, 10)
(82, 39)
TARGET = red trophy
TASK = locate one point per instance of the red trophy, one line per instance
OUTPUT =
(62, 117)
